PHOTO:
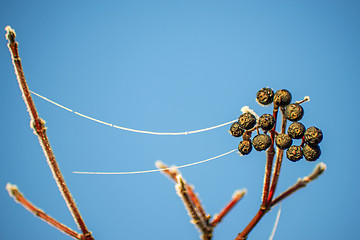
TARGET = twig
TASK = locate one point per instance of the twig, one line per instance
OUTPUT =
(243, 235)
(196, 219)
(269, 162)
(19, 198)
(39, 128)
(237, 196)
(278, 162)
(173, 173)
(318, 170)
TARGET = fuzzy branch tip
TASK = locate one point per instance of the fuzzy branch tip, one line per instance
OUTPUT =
(10, 34)
(12, 190)
(239, 193)
(318, 170)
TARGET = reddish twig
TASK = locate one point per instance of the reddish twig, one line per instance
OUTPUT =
(40, 130)
(196, 219)
(193, 205)
(172, 173)
(19, 198)
(318, 170)
(237, 196)
(269, 163)
(278, 162)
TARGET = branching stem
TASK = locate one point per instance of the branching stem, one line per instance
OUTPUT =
(278, 162)
(318, 170)
(39, 128)
(269, 162)
(19, 198)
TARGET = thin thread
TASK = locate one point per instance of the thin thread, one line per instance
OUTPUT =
(155, 170)
(130, 129)
(276, 223)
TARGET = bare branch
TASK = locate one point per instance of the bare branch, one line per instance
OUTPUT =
(190, 207)
(40, 130)
(318, 170)
(237, 196)
(20, 199)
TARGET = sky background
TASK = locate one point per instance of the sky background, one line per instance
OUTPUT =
(177, 66)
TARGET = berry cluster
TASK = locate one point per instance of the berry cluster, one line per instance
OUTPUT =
(292, 112)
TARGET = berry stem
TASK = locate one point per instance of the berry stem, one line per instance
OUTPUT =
(39, 126)
(269, 162)
(19, 198)
(278, 162)
(267, 178)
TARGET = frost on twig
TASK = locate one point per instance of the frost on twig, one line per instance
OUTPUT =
(183, 194)
(20, 199)
(39, 128)
(302, 182)
(193, 205)
(236, 197)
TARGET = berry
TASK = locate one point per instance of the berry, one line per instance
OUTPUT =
(283, 141)
(294, 112)
(266, 122)
(296, 130)
(261, 142)
(282, 98)
(294, 153)
(235, 130)
(311, 153)
(265, 96)
(247, 121)
(313, 136)
(245, 147)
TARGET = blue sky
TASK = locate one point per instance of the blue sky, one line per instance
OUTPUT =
(177, 66)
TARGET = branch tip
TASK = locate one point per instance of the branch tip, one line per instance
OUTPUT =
(239, 193)
(318, 170)
(12, 190)
(159, 164)
(10, 34)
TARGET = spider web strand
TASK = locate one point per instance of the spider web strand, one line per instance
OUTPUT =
(130, 129)
(155, 170)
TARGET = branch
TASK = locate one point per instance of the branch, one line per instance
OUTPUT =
(269, 162)
(318, 170)
(20, 199)
(237, 196)
(40, 130)
(172, 173)
(196, 219)
(278, 162)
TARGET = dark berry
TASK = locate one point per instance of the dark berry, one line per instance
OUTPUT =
(235, 130)
(245, 147)
(261, 142)
(247, 121)
(294, 153)
(296, 130)
(311, 153)
(266, 122)
(282, 98)
(283, 141)
(294, 112)
(265, 96)
(313, 136)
